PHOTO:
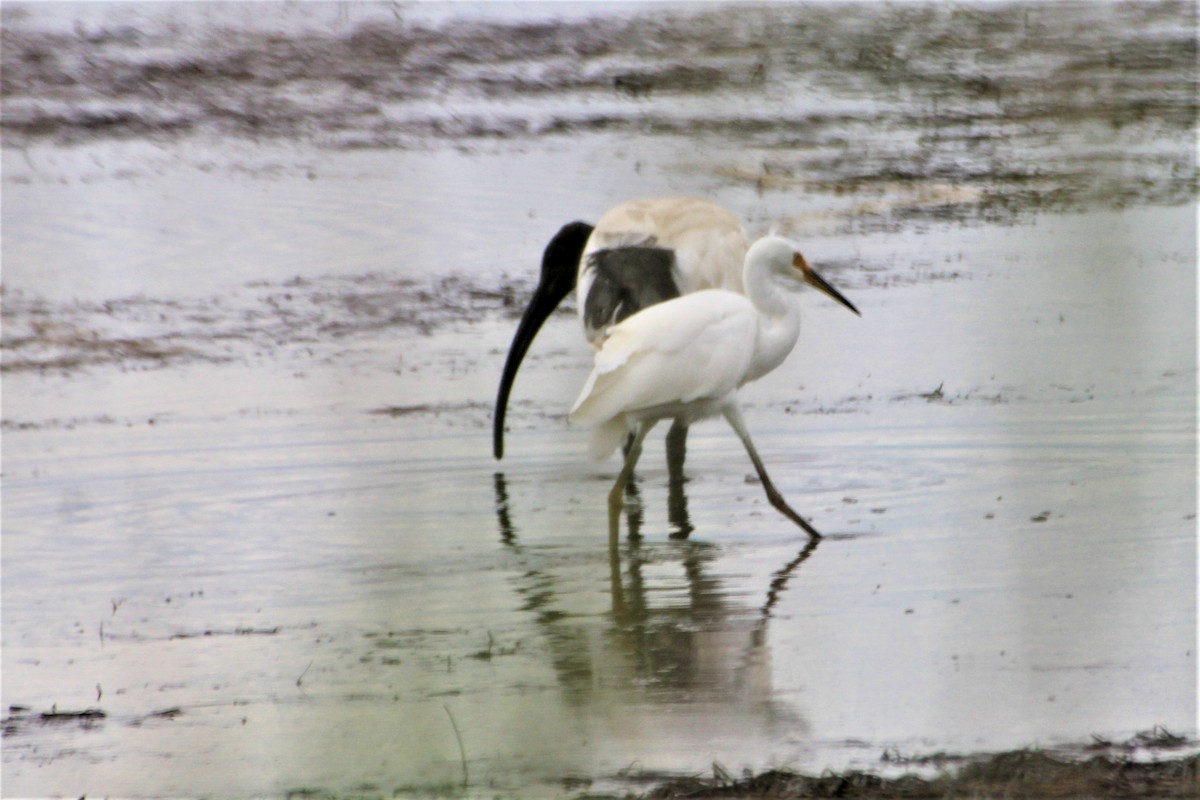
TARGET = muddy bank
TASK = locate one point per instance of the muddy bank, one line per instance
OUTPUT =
(1027, 774)
(993, 110)
(264, 319)
(254, 322)
(1061, 66)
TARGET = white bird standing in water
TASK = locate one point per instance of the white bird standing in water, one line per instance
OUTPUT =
(640, 253)
(686, 358)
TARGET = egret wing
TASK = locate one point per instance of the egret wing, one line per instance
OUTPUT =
(692, 348)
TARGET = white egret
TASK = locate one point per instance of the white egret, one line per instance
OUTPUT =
(686, 358)
(640, 253)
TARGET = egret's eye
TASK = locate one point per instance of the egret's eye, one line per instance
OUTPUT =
(799, 263)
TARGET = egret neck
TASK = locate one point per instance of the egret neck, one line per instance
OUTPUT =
(778, 319)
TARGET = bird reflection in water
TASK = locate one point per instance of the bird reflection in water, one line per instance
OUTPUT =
(507, 532)
(677, 508)
(677, 502)
(679, 636)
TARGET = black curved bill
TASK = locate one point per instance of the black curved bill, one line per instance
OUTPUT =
(560, 261)
(541, 306)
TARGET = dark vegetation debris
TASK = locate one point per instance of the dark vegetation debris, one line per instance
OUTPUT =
(1027, 774)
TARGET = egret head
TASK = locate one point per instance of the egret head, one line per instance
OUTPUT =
(810, 276)
(782, 259)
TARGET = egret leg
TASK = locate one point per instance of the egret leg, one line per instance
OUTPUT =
(616, 497)
(733, 416)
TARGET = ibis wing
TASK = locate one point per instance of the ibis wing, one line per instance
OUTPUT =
(706, 245)
(691, 348)
(625, 280)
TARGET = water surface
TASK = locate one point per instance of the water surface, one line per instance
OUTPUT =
(250, 510)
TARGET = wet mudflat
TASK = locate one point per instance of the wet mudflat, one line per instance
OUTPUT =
(260, 273)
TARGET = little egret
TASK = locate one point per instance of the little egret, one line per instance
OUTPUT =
(686, 358)
(640, 253)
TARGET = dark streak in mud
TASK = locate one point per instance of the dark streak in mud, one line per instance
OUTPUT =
(427, 408)
(233, 632)
(263, 317)
(21, 720)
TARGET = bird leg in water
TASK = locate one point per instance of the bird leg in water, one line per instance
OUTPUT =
(634, 512)
(676, 450)
(616, 497)
(734, 417)
(677, 510)
(676, 446)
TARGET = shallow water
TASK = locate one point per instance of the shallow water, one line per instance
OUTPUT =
(250, 511)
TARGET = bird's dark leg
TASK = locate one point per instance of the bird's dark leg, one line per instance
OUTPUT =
(676, 449)
(616, 497)
(734, 417)
(631, 485)
(634, 512)
(677, 510)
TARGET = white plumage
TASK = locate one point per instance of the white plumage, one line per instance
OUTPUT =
(685, 359)
(667, 361)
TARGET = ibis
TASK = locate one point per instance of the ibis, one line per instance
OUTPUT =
(640, 253)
